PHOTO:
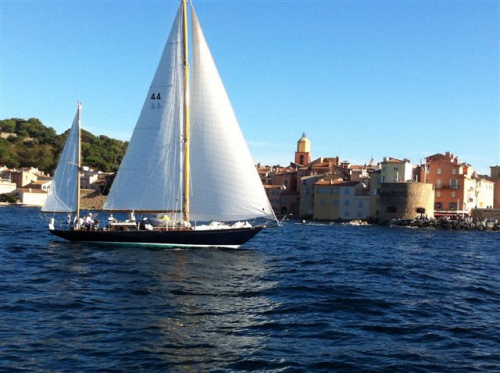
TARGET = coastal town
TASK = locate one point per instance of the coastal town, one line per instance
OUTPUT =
(327, 188)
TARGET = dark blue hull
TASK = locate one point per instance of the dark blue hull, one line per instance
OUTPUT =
(231, 238)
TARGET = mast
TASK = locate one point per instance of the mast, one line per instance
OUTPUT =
(186, 135)
(79, 160)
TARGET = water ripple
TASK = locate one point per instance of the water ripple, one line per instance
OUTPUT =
(302, 298)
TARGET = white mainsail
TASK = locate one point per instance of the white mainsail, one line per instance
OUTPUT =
(63, 192)
(149, 177)
(224, 184)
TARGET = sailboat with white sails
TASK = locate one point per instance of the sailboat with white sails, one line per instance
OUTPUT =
(187, 162)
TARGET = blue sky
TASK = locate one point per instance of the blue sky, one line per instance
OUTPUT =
(363, 79)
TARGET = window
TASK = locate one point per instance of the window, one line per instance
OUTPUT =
(438, 193)
(323, 190)
(335, 202)
(453, 205)
(360, 204)
(346, 191)
(439, 184)
(322, 202)
(453, 194)
(454, 183)
(453, 171)
(346, 202)
(438, 205)
(308, 190)
(439, 171)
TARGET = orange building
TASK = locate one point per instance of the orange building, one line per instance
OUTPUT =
(454, 183)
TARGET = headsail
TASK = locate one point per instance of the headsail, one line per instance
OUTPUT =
(225, 185)
(63, 192)
(150, 173)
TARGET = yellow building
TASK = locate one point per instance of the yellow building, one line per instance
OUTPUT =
(335, 199)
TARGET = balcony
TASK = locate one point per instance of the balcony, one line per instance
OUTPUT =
(447, 186)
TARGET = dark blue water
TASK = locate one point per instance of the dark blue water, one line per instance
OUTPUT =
(304, 298)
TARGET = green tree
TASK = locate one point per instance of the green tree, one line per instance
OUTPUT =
(7, 125)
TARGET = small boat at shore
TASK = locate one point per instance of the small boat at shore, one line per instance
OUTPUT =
(187, 171)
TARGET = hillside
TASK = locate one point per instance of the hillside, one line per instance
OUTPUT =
(29, 143)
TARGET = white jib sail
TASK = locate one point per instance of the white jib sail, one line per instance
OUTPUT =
(149, 177)
(62, 195)
(224, 182)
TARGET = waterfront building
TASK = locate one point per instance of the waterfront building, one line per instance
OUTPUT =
(23, 176)
(457, 187)
(273, 194)
(338, 199)
(375, 193)
(495, 177)
(484, 191)
(306, 202)
(6, 186)
(395, 170)
(30, 196)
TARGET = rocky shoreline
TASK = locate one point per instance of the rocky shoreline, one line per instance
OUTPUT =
(447, 224)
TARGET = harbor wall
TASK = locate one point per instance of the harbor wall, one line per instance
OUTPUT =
(486, 214)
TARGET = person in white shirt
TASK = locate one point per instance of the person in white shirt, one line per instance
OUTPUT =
(89, 221)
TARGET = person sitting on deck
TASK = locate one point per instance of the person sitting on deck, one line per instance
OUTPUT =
(89, 221)
(111, 219)
(131, 217)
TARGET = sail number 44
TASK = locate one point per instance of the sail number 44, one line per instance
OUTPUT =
(155, 96)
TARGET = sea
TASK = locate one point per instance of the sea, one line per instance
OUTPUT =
(305, 297)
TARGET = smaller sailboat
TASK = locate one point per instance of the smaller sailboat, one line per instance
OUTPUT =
(187, 162)
(64, 193)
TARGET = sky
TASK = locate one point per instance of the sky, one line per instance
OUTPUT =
(363, 78)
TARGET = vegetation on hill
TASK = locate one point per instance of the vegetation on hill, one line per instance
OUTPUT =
(28, 143)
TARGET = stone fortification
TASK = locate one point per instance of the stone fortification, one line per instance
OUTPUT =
(405, 201)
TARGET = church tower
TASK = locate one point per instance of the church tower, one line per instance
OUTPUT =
(303, 153)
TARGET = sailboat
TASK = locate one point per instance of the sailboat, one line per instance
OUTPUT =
(187, 169)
